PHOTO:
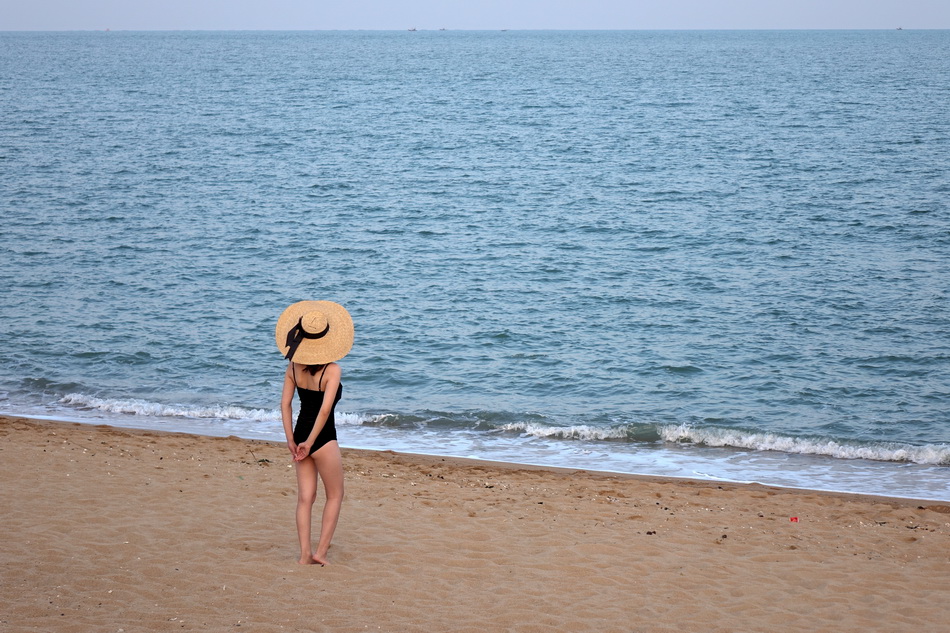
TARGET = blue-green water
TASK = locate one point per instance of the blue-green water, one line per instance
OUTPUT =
(713, 254)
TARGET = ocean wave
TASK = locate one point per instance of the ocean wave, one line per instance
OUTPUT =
(216, 412)
(156, 409)
(716, 437)
(579, 432)
(931, 454)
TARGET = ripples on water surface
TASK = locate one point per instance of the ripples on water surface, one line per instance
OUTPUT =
(698, 253)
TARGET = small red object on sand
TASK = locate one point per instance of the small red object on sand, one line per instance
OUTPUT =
(794, 519)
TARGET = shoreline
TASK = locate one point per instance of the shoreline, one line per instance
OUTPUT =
(112, 528)
(500, 463)
(461, 461)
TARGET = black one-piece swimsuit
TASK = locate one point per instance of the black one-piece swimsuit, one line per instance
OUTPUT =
(310, 403)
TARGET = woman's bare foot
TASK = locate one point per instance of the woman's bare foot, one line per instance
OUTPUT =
(309, 561)
(320, 560)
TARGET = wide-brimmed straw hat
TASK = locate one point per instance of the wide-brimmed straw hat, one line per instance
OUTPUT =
(314, 332)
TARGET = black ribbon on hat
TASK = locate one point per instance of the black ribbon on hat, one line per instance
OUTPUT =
(297, 334)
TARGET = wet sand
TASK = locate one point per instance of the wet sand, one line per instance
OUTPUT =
(108, 529)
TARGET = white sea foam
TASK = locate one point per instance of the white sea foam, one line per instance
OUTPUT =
(934, 454)
(215, 412)
(579, 432)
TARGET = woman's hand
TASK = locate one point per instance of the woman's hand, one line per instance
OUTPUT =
(292, 447)
(303, 451)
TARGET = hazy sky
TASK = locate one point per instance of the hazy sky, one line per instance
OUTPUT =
(473, 14)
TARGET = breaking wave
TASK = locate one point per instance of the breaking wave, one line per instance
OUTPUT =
(580, 432)
(215, 412)
(933, 454)
(716, 437)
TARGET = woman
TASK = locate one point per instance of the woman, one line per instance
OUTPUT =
(312, 335)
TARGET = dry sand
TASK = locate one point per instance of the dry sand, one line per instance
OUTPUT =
(107, 530)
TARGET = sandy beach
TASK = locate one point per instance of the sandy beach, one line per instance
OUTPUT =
(108, 529)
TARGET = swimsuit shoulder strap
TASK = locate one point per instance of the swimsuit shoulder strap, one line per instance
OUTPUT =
(320, 380)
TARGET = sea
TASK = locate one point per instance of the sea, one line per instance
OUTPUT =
(721, 255)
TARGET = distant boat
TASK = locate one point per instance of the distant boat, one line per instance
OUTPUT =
(413, 29)
(900, 28)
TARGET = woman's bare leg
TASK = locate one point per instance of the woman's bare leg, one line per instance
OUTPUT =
(306, 495)
(329, 464)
